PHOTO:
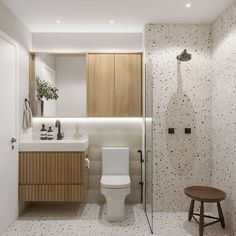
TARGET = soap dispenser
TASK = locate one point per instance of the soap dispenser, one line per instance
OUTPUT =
(43, 133)
(50, 134)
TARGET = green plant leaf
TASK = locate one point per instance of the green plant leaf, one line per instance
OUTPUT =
(45, 90)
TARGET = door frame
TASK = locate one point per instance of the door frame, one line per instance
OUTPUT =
(16, 45)
(7, 38)
(149, 220)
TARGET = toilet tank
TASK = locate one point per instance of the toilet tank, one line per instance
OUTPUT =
(115, 161)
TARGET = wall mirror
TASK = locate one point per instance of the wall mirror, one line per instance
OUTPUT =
(58, 85)
(90, 84)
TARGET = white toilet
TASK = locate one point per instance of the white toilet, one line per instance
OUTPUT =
(115, 181)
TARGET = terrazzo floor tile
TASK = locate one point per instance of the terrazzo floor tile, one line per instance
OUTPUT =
(72, 219)
(177, 224)
(89, 220)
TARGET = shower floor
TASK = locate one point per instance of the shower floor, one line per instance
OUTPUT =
(89, 219)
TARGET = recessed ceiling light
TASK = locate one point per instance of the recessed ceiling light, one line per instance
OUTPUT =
(58, 22)
(188, 5)
(112, 21)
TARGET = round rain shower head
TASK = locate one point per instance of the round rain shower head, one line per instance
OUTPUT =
(184, 56)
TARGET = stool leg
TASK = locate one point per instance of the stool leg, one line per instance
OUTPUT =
(190, 213)
(221, 216)
(201, 220)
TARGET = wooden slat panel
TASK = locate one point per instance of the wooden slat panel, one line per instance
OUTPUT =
(128, 85)
(32, 83)
(51, 168)
(52, 193)
(100, 85)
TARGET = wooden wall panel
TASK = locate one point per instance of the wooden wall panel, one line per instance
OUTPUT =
(100, 85)
(128, 85)
(32, 84)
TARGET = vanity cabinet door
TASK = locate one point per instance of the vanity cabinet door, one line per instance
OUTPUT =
(128, 85)
(51, 168)
(52, 176)
(100, 85)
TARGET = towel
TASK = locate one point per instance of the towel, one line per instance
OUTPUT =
(27, 116)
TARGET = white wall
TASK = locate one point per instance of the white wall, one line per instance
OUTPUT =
(17, 31)
(42, 58)
(14, 28)
(49, 75)
(71, 82)
(45, 67)
(87, 42)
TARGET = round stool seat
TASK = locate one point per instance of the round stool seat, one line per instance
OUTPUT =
(205, 194)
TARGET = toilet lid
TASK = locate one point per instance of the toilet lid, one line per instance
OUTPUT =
(115, 181)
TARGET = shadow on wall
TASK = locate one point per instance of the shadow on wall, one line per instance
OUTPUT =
(181, 147)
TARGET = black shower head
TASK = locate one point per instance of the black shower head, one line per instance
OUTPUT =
(184, 56)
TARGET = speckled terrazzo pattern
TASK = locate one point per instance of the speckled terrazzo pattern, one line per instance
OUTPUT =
(224, 109)
(89, 220)
(182, 98)
(176, 224)
(71, 220)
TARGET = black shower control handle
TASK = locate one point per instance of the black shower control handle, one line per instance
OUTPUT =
(171, 130)
(188, 130)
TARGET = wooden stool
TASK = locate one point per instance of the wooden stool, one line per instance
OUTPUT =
(205, 194)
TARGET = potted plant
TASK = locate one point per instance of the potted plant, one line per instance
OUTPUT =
(45, 91)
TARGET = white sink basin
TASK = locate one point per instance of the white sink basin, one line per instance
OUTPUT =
(65, 145)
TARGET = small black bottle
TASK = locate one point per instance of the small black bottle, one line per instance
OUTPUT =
(50, 134)
(43, 133)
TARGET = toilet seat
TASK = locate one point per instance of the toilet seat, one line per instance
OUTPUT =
(115, 181)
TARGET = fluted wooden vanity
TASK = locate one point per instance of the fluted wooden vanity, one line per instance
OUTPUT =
(52, 176)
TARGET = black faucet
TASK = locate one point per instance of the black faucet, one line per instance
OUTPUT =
(59, 134)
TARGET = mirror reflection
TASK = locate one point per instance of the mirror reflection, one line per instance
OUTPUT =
(59, 85)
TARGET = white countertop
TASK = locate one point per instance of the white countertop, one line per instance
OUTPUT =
(65, 145)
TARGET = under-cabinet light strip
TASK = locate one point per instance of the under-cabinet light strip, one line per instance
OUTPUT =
(91, 119)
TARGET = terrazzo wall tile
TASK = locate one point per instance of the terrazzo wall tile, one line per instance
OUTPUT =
(181, 99)
(224, 110)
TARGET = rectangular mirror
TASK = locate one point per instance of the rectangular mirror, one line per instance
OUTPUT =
(58, 85)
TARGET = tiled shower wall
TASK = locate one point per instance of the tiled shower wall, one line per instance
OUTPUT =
(224, 110)
(103, 132)
(200, 94)
(182, 99)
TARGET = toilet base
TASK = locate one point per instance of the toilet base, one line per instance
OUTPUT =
(115, 203)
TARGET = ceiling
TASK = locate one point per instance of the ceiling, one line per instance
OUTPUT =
(95, 15)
